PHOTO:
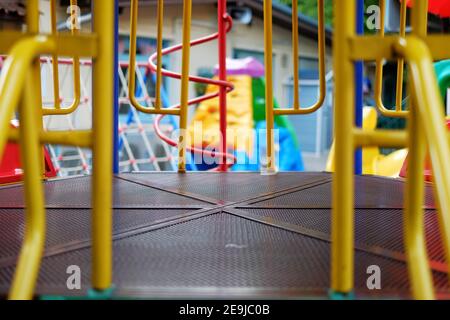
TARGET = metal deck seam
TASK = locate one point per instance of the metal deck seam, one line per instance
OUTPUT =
(371, 249)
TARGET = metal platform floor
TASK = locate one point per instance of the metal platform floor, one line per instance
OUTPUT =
(216, 235)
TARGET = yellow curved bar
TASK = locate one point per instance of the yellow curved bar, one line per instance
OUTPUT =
(132, 63)
(15, 73)
(430, 112)
(32, 250)
(159, 47)
(57, 110)
(268, 47)
(55, 66)
(295, 55)
(378, 90)
(184, 96)
(22, 68)
(413, 218)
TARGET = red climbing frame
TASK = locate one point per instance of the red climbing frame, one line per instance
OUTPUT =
(222, 41)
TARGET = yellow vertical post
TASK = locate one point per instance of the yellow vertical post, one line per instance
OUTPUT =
(321, 51)
(397, 112)
(379, 70)
(55, 65)
(269, 85)
(33, 28)
(401, 62)
(186, 50)
(420, 18)
(342, 258)
(134, 6)
(295, 53)
(103, 91)
(30, 126)
(159, 47)
(419, 272)
(32, 16)
(33, 244)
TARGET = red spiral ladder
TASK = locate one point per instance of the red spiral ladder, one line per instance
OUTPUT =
(225, 24)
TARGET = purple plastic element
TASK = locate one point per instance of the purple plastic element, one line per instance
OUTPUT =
(247, 66)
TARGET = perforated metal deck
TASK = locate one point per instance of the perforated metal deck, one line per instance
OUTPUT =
(220, 235)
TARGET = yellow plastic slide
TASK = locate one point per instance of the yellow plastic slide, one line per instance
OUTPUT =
(204, 128)
(373, 161)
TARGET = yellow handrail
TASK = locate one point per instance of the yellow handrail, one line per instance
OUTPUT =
(159, 47)
(426, 127)
(295, 56)
(15, 74)
(57, 110)
(134, 6)
(22, 68)
(182, 111)
(429, 118)
(269, 85)
(378, 90)
(268, 51)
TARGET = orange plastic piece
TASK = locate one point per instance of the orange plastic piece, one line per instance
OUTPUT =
(428, 174)
(10, 166)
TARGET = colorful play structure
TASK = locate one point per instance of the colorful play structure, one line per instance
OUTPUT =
(245, 119)
(222, 234)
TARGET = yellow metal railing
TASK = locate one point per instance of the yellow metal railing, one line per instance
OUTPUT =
(397, 112)
(132, 59)
(22, 69)
(57, 110)
(426, 128)
(268, 56)
(15, 75)
(182, 111)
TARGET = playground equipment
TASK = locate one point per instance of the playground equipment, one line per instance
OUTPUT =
(139, 149)
(395, 164)
(11, 168)
(426, 125)
(428, 170)
(268, 56)
(67, 160)
(245, 119)
(224, 25)
(373, 161)
(22, 69)
(224, 234)
(398, 111)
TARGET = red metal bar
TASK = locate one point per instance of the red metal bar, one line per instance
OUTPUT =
(222, 42)
(175, 75)
(219, 83)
